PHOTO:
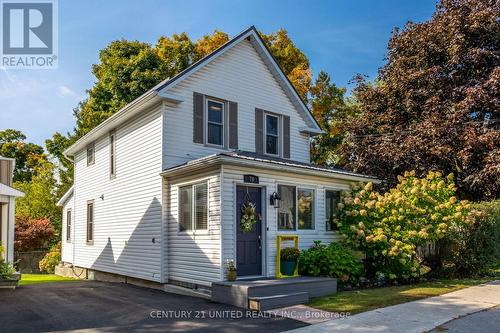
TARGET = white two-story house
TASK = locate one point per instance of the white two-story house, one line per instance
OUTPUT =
(159, 186)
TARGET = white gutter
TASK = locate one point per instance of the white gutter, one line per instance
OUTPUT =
(276, 166)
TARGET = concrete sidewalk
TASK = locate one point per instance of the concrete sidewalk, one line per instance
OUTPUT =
(418, 316)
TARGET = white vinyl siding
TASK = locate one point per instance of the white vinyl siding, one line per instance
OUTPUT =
(194, 256)
(270, 180)
(241, 76)
(127, 209)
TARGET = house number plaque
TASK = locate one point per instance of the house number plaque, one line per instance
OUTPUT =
(251, 179)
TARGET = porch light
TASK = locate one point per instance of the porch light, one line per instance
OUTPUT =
(275, 200)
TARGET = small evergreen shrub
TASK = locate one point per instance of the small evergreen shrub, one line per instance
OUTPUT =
(51, 259)
(333, 260)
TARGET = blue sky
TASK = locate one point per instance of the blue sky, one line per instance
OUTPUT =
(340, 36)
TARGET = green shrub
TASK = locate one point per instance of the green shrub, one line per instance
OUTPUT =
(6, 269)
(289, 254)
(51, 259)
(389, 227)
(333, 260)
(473, 248)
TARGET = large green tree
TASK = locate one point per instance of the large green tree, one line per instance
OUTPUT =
(39, 201)
(435, 104)
(331, 109)
(28, 155)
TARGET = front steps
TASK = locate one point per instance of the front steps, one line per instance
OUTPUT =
(272, 293)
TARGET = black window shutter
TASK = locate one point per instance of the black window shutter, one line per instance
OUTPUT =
(233, 125)
(259, 131)
(286, 136)
(198, 121)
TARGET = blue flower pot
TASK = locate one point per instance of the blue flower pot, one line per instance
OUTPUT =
(287, 267)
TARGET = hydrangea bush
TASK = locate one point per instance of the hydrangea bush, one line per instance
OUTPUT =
(389, 227)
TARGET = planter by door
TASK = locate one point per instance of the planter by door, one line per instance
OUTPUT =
(288, 267)
(249, 244)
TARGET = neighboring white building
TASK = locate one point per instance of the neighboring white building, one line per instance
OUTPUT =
(8, 197)
(159, 186)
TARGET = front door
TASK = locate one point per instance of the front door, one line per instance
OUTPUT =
(249, 243)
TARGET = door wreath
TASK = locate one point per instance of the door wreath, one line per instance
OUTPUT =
(248, 216)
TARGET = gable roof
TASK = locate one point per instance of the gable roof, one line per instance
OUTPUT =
(10, 191)
(254, 37)
(66, 196)
(160, 91)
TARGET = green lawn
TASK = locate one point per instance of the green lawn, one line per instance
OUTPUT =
(369, 299)
(42, 278)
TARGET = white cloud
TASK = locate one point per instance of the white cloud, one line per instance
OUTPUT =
(65, 91)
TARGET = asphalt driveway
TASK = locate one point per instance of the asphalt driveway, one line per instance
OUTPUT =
(109, 307)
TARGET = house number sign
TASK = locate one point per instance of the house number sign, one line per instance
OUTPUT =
(251, 179)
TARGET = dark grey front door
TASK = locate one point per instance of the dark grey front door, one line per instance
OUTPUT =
(248, 244)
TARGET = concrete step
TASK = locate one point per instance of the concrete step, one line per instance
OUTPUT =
(315, 287)
(277, 301)
(239, 292)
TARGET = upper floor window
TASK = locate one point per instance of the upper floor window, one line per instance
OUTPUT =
(332, 199)
(68, 225)
(90, 154)
(215, 123)
(193, 208)
(272, 134)
(112, 154)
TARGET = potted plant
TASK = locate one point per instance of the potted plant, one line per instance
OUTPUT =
(288, 260)
(9, 278)
(231, 270)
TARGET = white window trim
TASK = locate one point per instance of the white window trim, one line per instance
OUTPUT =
(208, 99)
(330, 189)
(193, 230)
(90, 147)
(112, 155)
(314, 214)
(90, 241)
(278, 136)
(69, 233)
